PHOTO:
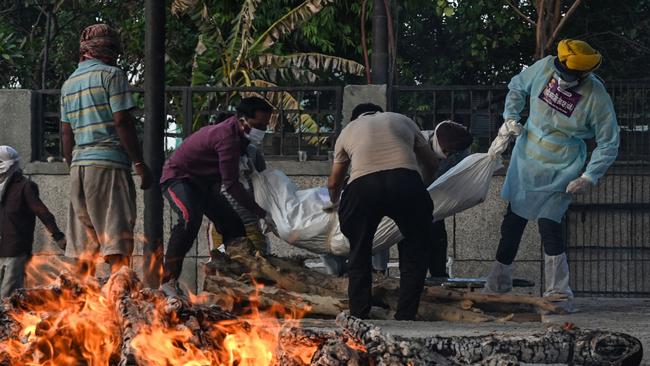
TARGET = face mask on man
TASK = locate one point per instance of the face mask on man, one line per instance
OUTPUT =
(564, 84)
(254, 135)
(435, 144)
(566, 78)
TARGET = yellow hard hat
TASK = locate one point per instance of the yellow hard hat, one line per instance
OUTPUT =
(578, 55)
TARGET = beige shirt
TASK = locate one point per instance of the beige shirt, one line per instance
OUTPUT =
(381, 141)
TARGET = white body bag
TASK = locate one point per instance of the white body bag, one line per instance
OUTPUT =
(301, 221)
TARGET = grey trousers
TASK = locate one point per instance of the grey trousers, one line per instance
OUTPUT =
(12, 274)
(102, 212)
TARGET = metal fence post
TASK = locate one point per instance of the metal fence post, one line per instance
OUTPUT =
(187, 112)
(154, 138)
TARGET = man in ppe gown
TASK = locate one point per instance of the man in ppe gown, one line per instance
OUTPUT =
(568, 104)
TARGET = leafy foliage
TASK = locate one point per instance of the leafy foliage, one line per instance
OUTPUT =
(246, 57)
(479, 41)
(439, 41)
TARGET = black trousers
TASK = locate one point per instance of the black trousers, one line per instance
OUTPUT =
(437, 260)
(399, 194)
(512, 229)
(191, 201)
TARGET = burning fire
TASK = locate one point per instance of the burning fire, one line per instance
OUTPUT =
(77, 321)
(250, 340)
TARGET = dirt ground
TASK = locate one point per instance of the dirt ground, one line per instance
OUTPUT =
(630, 316)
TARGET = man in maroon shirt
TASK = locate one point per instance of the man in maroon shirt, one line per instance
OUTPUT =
(193, 175)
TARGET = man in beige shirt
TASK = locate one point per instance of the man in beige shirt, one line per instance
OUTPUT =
(382, 151)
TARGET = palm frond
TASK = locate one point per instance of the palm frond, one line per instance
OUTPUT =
(311, 61)
(206, 54)
(286, 74)
(242, 26)
(284, 100)
(180, 7)
(290, 21)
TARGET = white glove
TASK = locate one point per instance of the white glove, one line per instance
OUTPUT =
(579, 185)
(268, 226)
(510, 127)
(508, 130)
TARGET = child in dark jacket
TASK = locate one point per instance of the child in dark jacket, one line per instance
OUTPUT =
(19, 206)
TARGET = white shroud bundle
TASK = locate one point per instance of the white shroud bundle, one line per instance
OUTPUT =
(301, 220)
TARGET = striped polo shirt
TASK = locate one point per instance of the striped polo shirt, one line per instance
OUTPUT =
(89, 98)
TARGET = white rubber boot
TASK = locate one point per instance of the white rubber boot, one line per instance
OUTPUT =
(500, 278)
(556, 276)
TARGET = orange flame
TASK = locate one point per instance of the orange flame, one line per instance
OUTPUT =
(71, 328)
(251, 340)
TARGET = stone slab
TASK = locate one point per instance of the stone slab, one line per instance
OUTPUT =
(16, 121)
(478, 230)
(631, 316)
(301, 168)
(53, 190)
(356, 94)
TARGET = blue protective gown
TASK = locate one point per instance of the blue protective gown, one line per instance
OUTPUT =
(551, 152)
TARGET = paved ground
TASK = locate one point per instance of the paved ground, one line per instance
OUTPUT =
(630, 316)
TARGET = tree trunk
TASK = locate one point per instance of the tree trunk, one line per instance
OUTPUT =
(549, 23)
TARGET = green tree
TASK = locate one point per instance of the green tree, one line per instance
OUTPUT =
(551, 16)
(487, 42)
(460, 42)
(619, 30)
(244, 56)
(438, 41)
(10, 55)
(26, 21)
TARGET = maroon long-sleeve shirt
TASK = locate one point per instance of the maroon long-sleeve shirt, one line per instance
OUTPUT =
(211, 155)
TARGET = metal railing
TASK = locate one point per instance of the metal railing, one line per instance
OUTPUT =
(477, 107)
(305, 118)
(480, 108)
(608, 229)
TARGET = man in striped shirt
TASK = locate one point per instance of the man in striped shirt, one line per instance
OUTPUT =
(100, 144)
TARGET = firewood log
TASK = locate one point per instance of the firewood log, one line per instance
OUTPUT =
(556, 346)
(268, 296)
(385, 349)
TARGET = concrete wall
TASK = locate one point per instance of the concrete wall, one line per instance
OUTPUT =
(16, 121)
(474, 237)
(52, 179)
(356, 94)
